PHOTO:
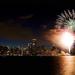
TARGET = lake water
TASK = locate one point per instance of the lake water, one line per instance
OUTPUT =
(63, 65)
(55, 65)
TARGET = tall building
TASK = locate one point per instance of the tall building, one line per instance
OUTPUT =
(33, 46)
(34, 42)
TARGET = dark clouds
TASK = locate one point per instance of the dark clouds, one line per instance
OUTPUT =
(10, 30)
(26, 17)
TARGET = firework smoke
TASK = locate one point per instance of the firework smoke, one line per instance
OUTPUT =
(53, 36)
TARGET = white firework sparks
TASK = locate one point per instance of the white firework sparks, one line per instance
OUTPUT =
(66, 19)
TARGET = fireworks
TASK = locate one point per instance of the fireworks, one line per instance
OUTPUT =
(67, 40)
(66, 19)
(63, 34)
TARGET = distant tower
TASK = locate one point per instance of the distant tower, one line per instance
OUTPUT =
(33, 46)
(34, 42)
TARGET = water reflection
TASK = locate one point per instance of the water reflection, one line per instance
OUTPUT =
(64, 65)
(67, 64)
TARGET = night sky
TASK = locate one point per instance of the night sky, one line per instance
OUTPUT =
(24, 21)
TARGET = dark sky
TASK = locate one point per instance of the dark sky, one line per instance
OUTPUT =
(25, 20)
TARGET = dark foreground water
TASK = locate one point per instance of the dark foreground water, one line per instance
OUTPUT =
(57, 65)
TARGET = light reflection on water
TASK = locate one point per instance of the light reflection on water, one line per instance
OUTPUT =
(63, 65)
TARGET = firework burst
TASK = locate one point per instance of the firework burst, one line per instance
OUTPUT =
(66, 19)
(63, 37)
